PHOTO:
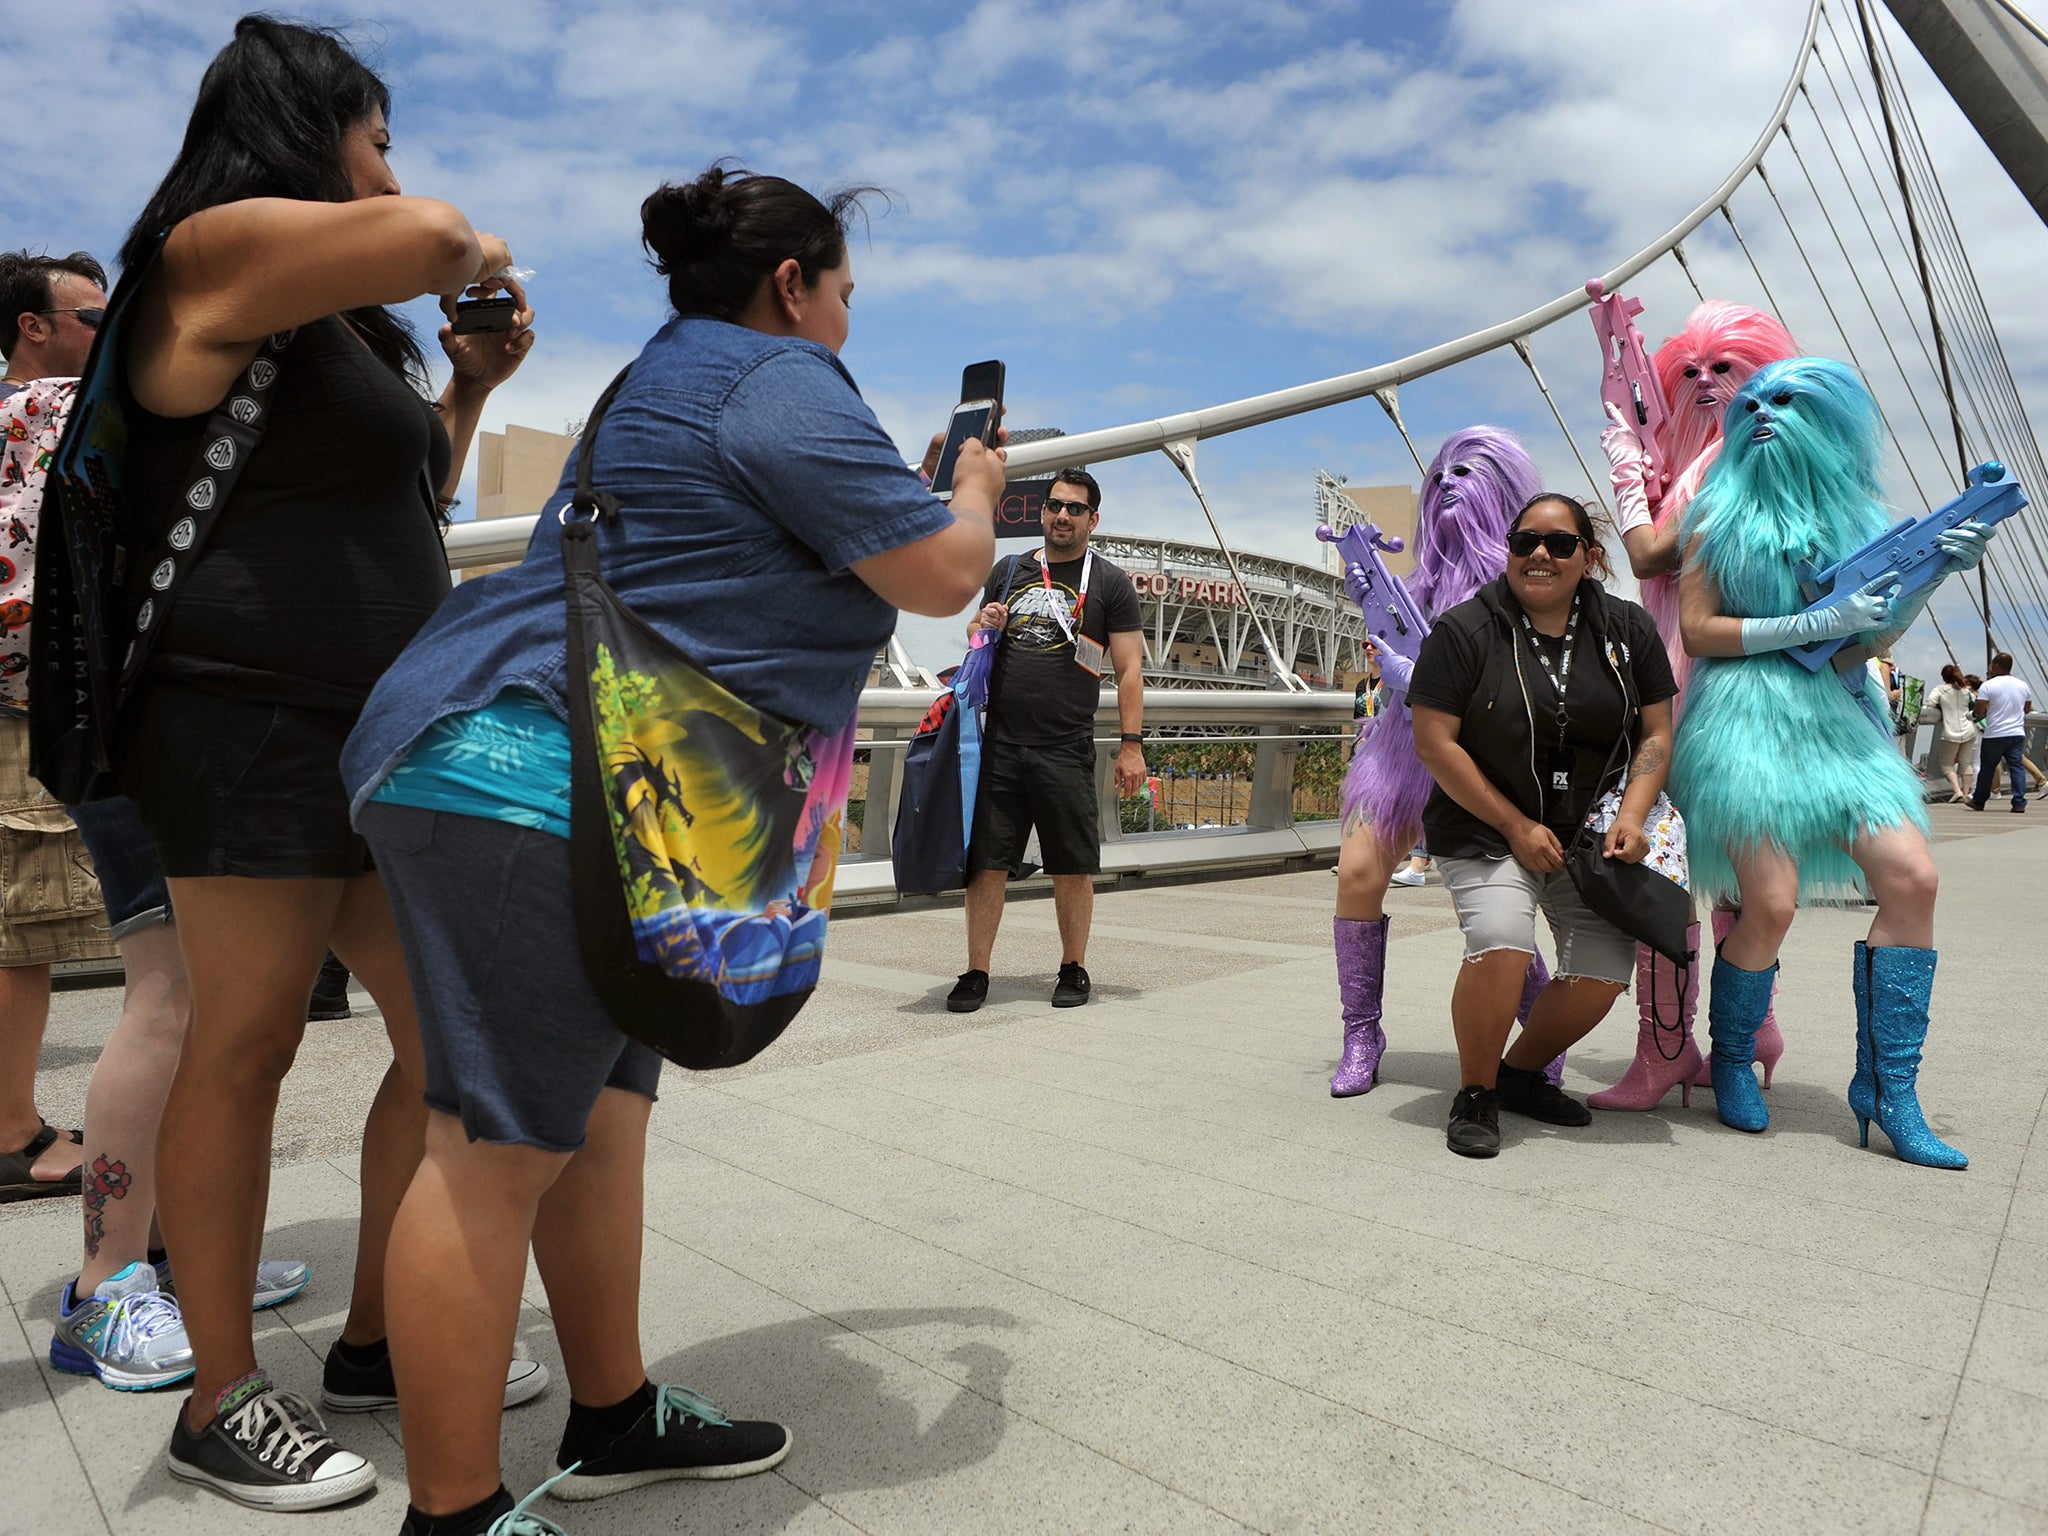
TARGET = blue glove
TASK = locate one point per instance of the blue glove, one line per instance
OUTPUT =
(1868, 610)
(1965, 544)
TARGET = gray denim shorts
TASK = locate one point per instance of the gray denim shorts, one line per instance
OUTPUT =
(517, 1043)
(1497, 901)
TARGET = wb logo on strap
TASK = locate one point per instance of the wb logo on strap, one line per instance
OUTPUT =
(200, 497)
(263, 373)
(220, 453)
(244, 410)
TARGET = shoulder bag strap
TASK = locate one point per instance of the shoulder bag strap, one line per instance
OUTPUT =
(232, 433)
(589, 506)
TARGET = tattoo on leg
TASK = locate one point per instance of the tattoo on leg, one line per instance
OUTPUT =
(105, 1181)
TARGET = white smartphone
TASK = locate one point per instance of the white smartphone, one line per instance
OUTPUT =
(971, 418)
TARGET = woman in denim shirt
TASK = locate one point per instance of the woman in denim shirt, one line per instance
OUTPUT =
(771, 533)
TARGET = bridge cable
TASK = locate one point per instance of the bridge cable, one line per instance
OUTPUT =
(1521, 346)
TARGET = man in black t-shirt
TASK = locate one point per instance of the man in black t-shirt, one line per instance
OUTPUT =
(1068, 619)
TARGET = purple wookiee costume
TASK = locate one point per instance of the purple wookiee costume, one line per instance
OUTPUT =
(1478, 481)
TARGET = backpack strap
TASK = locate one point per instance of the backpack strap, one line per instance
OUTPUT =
(232, 433)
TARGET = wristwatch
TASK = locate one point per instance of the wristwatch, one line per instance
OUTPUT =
(1132, 736)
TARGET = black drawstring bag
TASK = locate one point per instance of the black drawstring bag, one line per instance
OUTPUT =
(704, 833)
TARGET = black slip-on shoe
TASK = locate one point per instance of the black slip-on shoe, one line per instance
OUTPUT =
(1071, 991)
(969, 992)
(1530, 1093)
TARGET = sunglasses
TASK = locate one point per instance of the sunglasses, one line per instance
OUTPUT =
(1562, 546)
(89, 318)
(1055, 504)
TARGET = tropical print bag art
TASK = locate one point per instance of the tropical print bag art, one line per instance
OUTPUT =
(705, 833)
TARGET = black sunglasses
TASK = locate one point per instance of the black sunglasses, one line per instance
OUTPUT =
(89, 318)
(1071, 508)
(1562, 546)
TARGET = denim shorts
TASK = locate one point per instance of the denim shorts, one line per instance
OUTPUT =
(518, 1045)
(131, 875)
(1497, 902)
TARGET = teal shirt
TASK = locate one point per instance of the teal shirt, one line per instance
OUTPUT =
(508, 761)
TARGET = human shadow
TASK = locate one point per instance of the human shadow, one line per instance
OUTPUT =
(1439, 1072)
(851, 1426)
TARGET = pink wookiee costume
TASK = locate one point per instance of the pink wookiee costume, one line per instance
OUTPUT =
(1478, 481)
(1699, 369)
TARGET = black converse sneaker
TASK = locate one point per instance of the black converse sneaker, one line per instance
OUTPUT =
(680, 1435)
(1474, 1129)
(269, 1449)
(349, 1387)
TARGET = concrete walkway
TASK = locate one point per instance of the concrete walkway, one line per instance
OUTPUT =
(1131, 1268)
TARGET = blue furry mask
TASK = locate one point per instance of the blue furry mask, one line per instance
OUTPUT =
(1797, 479)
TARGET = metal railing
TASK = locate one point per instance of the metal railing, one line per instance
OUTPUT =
(1269, 835)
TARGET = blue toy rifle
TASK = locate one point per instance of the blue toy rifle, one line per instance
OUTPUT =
(1391, 616)
(1907, 551)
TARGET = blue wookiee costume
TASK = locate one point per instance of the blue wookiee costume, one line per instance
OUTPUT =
(1770, 755)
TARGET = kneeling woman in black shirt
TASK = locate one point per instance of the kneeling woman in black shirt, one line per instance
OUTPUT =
(1519, 699)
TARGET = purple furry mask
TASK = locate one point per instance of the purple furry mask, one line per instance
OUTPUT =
(1478, 481)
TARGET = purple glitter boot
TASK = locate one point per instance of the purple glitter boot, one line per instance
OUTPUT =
(1361, 976)
(1533, 983)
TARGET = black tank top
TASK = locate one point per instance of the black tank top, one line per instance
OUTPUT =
(326, 559)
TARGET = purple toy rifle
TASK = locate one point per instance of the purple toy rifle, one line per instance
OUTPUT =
(1391, 617)
(1628, 382)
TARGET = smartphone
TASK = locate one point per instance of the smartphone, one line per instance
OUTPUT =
(492, 314)
(978, 415)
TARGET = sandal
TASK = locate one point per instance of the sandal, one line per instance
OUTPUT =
(17, 1171)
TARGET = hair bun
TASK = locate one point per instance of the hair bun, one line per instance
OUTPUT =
(683, 224)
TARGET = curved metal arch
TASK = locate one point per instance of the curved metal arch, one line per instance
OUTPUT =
(477, 544)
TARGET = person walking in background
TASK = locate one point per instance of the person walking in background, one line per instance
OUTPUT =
(1067, 617)
(2002, 704)
(737, 427)
(280, 222)
(1523, 696)
(1476, 482)
(1949, 708)
(50, 309)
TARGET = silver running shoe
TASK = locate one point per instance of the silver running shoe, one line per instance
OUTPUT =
(127, 1332)
(277, 1281)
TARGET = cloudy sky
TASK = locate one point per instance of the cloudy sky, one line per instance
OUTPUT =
(1142, 205)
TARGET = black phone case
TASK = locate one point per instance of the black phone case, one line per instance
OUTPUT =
(493, 314)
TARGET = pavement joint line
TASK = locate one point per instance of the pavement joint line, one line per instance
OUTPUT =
(1319, 1283)
(912, 1361)
(1620, 1153)
(35, 1359)
(1976, 1329)
(1454, 1176)
(1545, 1265)
(1124, 1322)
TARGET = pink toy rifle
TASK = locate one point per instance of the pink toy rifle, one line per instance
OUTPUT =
(1628, 382)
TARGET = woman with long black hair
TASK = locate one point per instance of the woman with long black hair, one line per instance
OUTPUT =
(280, 222)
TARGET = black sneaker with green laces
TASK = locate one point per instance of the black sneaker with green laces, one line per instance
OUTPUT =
(681, 1434)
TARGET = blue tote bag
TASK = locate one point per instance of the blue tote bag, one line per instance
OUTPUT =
(941, 770)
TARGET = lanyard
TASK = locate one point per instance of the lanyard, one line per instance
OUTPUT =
(1065, 623)
(1561, 674)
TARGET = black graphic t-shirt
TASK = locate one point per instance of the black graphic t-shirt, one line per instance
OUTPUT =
(1040, 696)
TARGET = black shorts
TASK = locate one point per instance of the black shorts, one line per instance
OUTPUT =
(1051, 788)
(229, 787)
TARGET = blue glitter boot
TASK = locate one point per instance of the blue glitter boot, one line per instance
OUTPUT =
(1893, 987)
(1736, 1005)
